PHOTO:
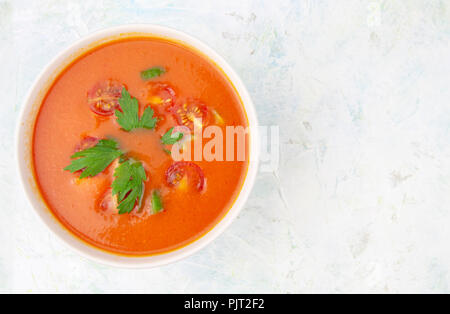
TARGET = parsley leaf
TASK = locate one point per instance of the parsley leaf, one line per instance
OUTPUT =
(148, 121)
(157, 205)
(128, 185)
(128, 118)
(95, 159)
(170, 139)
(152, 73)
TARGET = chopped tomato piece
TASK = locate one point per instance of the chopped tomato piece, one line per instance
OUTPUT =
(86, 142)
(103, 98)
(160, 94)
(146, 209)
(184, 173)
(191, 113)
(107, 203)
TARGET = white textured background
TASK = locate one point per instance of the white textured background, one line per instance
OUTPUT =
(360, 89)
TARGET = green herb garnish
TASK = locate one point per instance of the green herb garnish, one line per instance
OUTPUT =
(94, 160)
(128, 118)
(157, 205)
(128, 185)
(152, 73)
(170, 139)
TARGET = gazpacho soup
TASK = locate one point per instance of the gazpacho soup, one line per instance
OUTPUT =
(135, 148)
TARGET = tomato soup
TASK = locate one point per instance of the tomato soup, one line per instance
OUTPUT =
(104, 140)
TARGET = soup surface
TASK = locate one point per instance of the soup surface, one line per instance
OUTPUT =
(179, 201)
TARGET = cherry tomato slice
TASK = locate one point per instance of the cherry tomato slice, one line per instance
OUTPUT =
(160, 94)
(86, 142)
(103, 98)
(191, 113)
(185, 170)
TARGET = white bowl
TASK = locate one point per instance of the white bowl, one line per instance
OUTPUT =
(26, 124)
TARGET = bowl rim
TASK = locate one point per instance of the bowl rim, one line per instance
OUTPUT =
(23, 142)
